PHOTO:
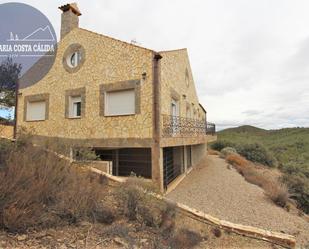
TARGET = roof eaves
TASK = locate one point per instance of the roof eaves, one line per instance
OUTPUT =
(202, 107)
(173, 50)
(127, 43)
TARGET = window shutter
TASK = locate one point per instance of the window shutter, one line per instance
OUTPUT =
(36, 110)
(120, 102)
(75, 106)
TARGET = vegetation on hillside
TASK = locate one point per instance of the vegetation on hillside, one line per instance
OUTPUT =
(9, 74)
(39, 190)
(287, 149)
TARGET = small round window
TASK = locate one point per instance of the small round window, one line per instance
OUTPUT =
(74, 59)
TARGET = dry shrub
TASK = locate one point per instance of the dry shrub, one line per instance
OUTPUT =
(236, 160)
(227, 151)
(274, 189)
(136, 196)
(255, 177)
(217, 232)
(37, 188)
(213, 152)
(185, 239)
(278, 193)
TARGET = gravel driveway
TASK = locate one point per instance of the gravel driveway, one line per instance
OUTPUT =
(213, 188)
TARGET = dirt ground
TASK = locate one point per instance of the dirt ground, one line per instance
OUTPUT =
(221, 191)
(122, 234)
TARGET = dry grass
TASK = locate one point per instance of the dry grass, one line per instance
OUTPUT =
(140, 205)
(213, 152)
(273, 188)
(236, 160)
(185, 239)
(278, 193)
(38, 189)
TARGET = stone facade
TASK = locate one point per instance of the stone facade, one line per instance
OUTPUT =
(6, 131)
(107, 64)
(177, 83)
(107, 61)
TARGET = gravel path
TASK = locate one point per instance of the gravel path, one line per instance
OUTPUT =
(213, 188)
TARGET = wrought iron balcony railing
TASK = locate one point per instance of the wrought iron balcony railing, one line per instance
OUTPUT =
(174, 126)
(210, 128)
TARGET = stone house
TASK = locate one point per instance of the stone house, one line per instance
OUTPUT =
(136, 107)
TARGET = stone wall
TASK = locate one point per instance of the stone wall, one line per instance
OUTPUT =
(177, 83)
(6, 131)
(104, 166)
(107, 60)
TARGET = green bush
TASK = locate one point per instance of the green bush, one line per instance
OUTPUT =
(256, 153)
(221, 144)
(228, 151)
(85, 154)
(298, 185)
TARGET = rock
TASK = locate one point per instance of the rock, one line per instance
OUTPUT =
(22, 237)
(121, 242)
(71, 245)
(63, 247)
(40, 235)
(85, 224)
(144, 241)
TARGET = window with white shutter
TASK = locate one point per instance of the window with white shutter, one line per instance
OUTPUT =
(75, 106)
(120, 102)
(36, 110)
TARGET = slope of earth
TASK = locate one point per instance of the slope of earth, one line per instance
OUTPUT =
(121, 234)
(221, 191)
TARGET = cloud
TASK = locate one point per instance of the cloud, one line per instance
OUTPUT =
(251, 112)
(250, 59)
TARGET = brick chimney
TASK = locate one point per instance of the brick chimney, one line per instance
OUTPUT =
(69, 18)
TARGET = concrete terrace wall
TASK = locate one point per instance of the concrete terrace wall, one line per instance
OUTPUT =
(107, 61)
(199, 152)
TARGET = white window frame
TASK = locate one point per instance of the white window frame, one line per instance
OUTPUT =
(72, 103)
(77, 59)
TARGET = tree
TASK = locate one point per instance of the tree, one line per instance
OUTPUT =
(9, 74)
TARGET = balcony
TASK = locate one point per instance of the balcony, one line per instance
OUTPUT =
(210, 128)
(174, 126)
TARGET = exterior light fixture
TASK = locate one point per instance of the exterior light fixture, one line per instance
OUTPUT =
(144, 75)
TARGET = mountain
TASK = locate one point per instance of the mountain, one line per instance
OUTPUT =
(288, 145)
(244, 129)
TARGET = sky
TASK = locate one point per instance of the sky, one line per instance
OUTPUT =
(250, 59)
